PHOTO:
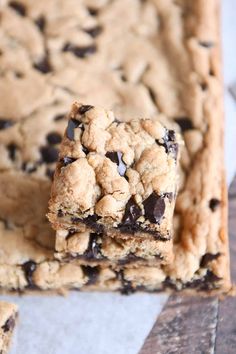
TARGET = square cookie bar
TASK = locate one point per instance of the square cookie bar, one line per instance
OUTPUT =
(116, 178)
(8, 315)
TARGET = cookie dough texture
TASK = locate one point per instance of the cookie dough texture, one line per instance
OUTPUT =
(160, 60)
(8, 315)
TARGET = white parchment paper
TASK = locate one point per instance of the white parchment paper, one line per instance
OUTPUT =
(110, 323)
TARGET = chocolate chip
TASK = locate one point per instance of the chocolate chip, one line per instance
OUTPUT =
(154, 207)
(92, 273)
(59, 117)
(169, 143)
(92, 11)
(12, 151)
(6, 123)
(18, 7)
(94, 248)
(43, 66)
(60, 213)
(9, 324)
(80, 52)
(214, 204)
(29, 269)
(94, 31)
(85, 150)
(72, 124)
(54, 138)
(67, 160)
(206, 44)
(185, 123)
(207, 258)
(90, 221)
(126, 285)
(85, 108)
(116, 157)
(49, 154)
(132, 212)
(40, 23)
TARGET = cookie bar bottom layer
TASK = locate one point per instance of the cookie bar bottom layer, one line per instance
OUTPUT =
(104, 249)
(8, 315)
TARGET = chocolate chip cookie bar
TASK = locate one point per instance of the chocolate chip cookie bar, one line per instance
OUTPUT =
(160, 59)
(8, 315)
(118, 179)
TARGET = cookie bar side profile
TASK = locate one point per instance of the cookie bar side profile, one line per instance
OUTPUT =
(114, 177)
(8, 316)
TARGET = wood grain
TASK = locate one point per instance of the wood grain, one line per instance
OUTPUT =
(194, 324)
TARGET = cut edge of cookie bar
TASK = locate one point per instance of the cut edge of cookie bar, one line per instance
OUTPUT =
(8, 317)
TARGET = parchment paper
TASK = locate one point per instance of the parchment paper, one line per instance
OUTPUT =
(110, 323)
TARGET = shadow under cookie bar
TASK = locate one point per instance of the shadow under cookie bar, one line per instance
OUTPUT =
(116, 179)
(102, 249)
(8, 317)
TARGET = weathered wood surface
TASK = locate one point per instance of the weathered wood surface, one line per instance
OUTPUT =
(189, 325)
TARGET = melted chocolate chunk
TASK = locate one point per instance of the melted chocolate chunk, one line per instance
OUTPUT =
(80, 52)
(170, 145)
(72, 124)
(43, 66)
(185, 123)
(41, 23)
(154, 207)
(59, 117)
(85, 108)
(127, 287)
(54, 138)
(67, 160)
(90, 221)
(208, 282)
(207, 258)
(206, 44)
(18, 7)
(9, 324)
(132, 212)
(116, 157)
(92, 273)
(6, 123)
(94, 248)
(94, 31)
(12, 148)
(49, 154)
(29, 269)
(214, 204)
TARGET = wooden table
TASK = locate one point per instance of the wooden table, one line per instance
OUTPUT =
(189, 325)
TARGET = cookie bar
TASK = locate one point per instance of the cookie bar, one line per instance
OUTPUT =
(118, 179)
(8, 315)
(90, 50)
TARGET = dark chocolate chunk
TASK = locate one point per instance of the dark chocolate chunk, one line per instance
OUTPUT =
(85, 150)
(49, 154)
(208, 282)
(169, 143)
(207, 258)
(92, 11)
(18, 7)
(80, 52)
(29, 269)
(92, 273)
(60, 213)
(9, 324)
(94, 248)
(12, 151)
(67, 160)
(41, 22)
(90, 221)
(154, 207)
(43, 66)
(126, 285)
(6, 123)
(54, 138)
(132, 212)
(116, 157)
(72, 124)
(85, 108)
(94, 31)
(214, 204)
(185, 123)
(59, 117)
(207, 44)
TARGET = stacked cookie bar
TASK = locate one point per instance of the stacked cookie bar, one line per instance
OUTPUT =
(114, 189)
(158, 59)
